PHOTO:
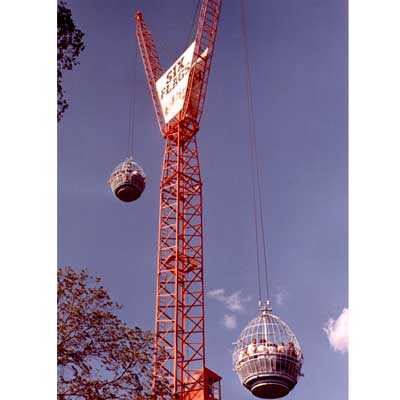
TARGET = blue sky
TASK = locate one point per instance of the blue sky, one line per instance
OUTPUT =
(298, 54)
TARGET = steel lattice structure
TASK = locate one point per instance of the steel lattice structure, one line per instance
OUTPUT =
(179, 320)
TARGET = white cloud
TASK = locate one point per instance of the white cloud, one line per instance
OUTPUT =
(229, 321)
(337, 331)
(216, 293)
(282, 297)
(233, 302)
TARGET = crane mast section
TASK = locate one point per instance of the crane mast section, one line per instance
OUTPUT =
(151, 62)
(179, 325)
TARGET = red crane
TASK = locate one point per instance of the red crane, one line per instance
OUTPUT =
(178, 96)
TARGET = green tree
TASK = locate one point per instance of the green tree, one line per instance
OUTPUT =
(98, 355)
(69, 46)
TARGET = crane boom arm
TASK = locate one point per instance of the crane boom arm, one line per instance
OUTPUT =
(206, 33)
(151, 63)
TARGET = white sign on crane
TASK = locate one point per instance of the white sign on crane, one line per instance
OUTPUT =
(172, 86)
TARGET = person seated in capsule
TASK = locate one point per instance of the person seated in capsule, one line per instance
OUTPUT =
(252, 347)
(242, 355)
(291, 351)
(281, 348)
(267, 348)
(261, 349)
(271, 350)
(250, 351)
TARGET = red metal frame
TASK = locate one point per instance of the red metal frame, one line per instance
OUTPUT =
(179, 323)
(151, 61)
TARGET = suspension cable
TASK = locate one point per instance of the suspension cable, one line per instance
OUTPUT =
(132, 107)
(253, 186)
(255, 169)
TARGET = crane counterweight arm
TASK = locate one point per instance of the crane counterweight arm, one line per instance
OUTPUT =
(151, 63)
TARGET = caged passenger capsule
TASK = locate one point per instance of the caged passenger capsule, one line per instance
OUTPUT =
(127, 181)
(267, 356)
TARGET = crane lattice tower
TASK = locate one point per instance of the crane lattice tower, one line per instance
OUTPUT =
(179, 319)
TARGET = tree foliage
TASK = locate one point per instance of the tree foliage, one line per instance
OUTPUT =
(99, 356)
(69, 46)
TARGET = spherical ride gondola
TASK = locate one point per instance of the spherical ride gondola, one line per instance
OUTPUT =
(128, 180)
(267, 356)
